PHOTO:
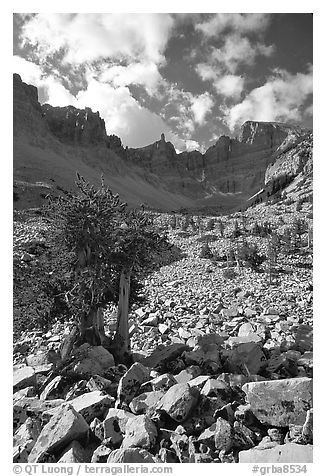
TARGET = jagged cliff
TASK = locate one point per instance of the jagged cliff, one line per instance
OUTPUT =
(230, 166)
(51, 144)
(293, 157)
(75, 126)
(223, 177)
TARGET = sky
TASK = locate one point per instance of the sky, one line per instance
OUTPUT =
(193, 77)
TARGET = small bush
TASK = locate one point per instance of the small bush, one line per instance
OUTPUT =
(207, 238)
(229, 273)
(206, 252)
(250, 255)
(210, 224)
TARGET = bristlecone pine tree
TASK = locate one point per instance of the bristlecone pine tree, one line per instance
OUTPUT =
(112, 249)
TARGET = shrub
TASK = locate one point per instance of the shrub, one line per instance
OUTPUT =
(210, 224)
(173, 222)
(207, 238)
(206, 252)
(229, 273)
(236, 231)
(250, 255)
(111, 249)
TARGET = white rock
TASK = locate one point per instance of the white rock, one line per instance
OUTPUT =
(145, 401)
(163, 382)
(280, 402)
(223, 435)
(288, 453)
(65, 426)
(93, 360)
(26, 436)
(179, 401)
(92, 404)
(131, 381)
(74, 453)
(113, 418)
(140, 432)
(23, 377)
(130, 455)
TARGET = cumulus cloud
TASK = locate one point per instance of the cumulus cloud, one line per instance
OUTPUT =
(240, 22)
(93, 36)
(229, 85)
(201, 106)
(186, 110)
(238, 50)
(238, 46)
(50, 86)
(144, 74)
(281, 98)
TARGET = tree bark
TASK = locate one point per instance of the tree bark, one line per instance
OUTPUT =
(121, 342)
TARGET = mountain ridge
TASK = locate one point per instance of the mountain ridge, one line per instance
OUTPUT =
(48, 138)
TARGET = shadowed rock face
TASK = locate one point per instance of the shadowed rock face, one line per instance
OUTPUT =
(229, 166)
(75, 126)
(26, 109)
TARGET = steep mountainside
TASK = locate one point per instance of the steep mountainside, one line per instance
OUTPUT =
(52, 143)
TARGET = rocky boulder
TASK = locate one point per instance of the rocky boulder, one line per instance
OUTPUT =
(280, 402)
(131, 382)
(179, 401)
(140, 432)
(289, 453)
(130, 455)
(24, 376)
(64, 427)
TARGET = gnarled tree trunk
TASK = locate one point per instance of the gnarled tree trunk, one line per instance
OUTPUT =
(90, 330)
(121, 342)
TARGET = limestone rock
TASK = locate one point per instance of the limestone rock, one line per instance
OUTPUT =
(24, 376)
(118, 415)
(130, 383)
(303, 335)
(164, 355)
(25, 438)
(199, 381)
(205, 351)
(64, 427)
(100, 383)
(145, 401)
(101, 454)
(163, 382)
(214, 387)
(42, 358)
(179, 401)
(34, 407)
(23, 393)
(233, 342)
(52, 390)
(188, 374)
(223, 435)
(130, 455)
(74, 453)
(92, 360)
(280, 402)
(246, 358)
(140, 432)
(307, 430)
(288, 453)
(92, 404)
